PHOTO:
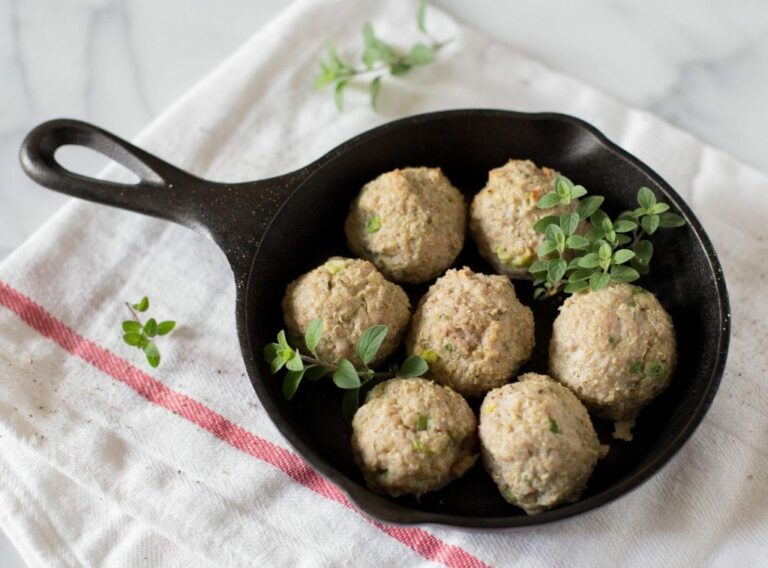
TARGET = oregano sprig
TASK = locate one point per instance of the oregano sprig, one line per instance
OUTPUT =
(611, 251)
(141, 335)
(343, 373)
(379, 58)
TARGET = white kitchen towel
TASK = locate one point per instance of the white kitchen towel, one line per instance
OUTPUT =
(107, 462)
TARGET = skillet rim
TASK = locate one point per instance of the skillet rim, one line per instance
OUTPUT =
(390, 512)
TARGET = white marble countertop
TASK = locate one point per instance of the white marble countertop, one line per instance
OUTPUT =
(701, 64)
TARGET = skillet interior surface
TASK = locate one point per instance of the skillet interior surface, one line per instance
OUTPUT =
(466, 145)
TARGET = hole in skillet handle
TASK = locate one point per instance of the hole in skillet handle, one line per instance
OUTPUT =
(87, 162)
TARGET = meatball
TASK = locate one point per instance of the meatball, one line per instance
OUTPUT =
(413, 436)
(615, 349)
(351, 296)
(503, 213)
(410, 223)
(472, 330)
(537, 442)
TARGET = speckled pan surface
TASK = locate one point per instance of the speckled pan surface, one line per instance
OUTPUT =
(274, 230)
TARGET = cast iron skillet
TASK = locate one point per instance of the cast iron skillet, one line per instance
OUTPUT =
(274, 230)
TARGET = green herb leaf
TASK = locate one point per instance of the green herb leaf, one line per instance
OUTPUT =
(604, 255)
(165, 327)
(598, 281)
(370, 342)
(281, 340)
(623, 255)
(314, 333)
(547, 247)
(650, 223)
(370, 57)
(338, 95)
(399, 68)
(563, 188)
(658, 208)
(538, 267)
(152, 353)
(150, 328)
(142, 305)
(643, 252)
(372, 224)
(350, 403)
(413, 366)
(577, 242)
(291, 383)
(670, 221)
(594, 234)
(131, 325)
(325, 78)
(554, 234)
(422, 423)
(133, 338)
(587, 207)
(646, 198)
(346, 377)
(421, 16)
(574, 287)
(569, 222)
(579, 275)
(384, 52)
(590, 260)
(374, 91)
(270, 352)
(294, 363)
(624, 226)
(420, 54)
(541, 225)
(548, 200)
(556, 269)
(578, 191)
(278, 362)
(553, 427)
(624, 274)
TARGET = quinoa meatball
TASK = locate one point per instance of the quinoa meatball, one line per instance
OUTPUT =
(413, 436)
(351, 296)
(410, 223)
(472, 330)
(537, 443)
(615, 349)
(503, 213)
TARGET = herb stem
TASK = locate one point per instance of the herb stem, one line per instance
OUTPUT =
(378, 67)
(637, 236)
(133, 312)
(333, 367)
(314, 361)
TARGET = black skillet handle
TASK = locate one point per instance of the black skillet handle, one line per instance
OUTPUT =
(233, 215)
(38, 159)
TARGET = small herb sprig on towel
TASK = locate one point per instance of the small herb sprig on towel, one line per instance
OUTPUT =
(344, 374)
(378, 58)
(611, 251)
(141, 335)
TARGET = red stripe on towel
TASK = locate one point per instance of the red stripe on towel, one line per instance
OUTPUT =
(37, 317)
